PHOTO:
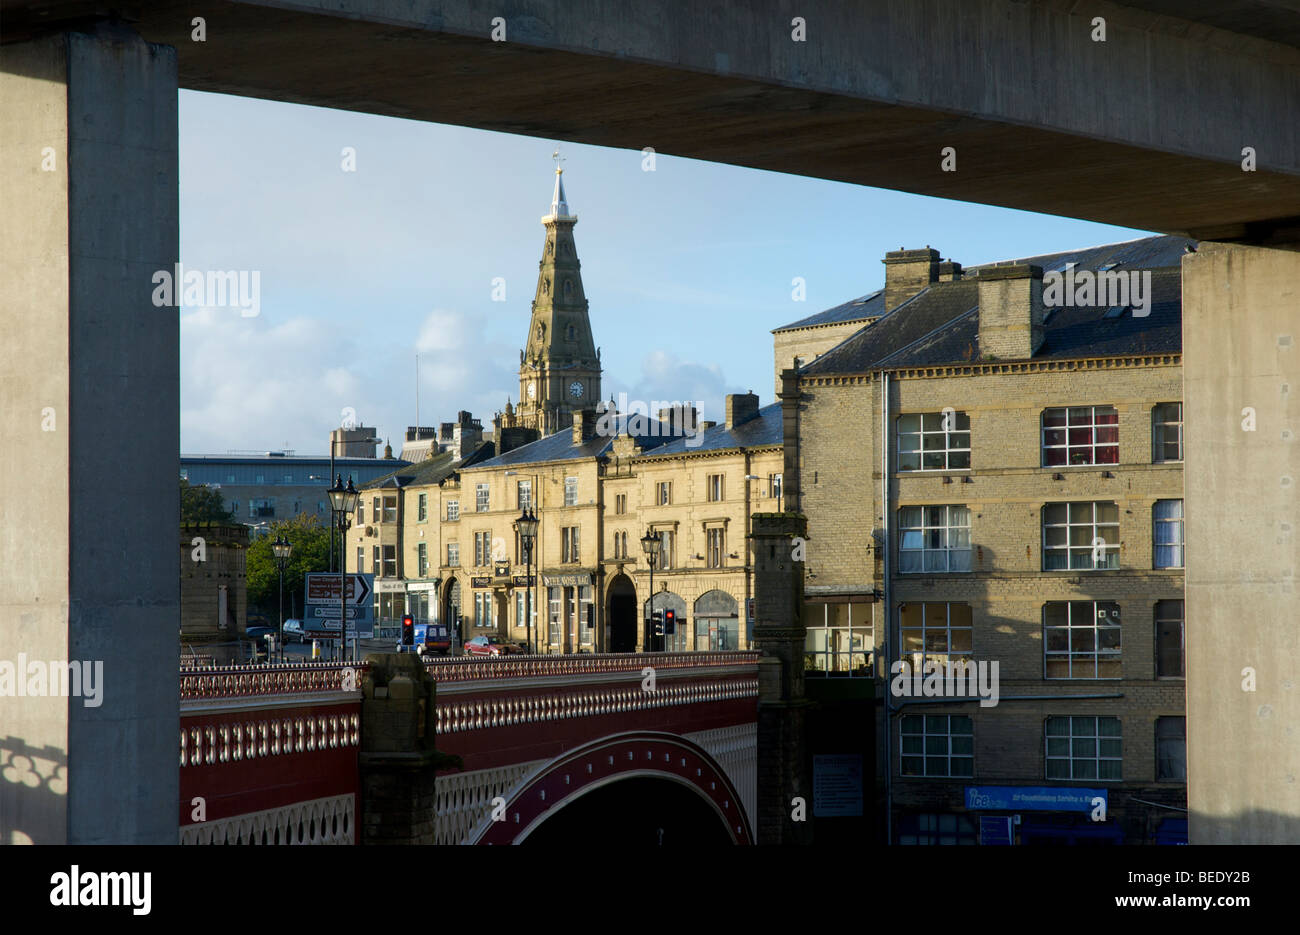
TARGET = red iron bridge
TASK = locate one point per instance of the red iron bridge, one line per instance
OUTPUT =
(641, 747)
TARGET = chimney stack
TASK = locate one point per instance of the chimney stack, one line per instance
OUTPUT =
(741, 407)
(1011, 311)
(679, 419)
(584, 425)
(907, 272)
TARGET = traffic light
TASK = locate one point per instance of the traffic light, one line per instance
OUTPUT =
(657, 619)
(408, 630)
(670, 622)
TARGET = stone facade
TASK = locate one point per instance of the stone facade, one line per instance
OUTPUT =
(206, 615)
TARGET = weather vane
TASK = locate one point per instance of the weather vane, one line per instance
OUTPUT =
(558, 159)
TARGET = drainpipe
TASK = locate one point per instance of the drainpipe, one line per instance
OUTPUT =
(886, 601)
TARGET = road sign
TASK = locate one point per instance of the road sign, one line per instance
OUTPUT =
(332, 613)
(323, 588)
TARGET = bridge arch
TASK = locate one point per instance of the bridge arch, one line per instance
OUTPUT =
(569, 784)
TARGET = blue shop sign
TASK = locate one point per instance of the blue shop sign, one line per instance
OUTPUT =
(1032, 798)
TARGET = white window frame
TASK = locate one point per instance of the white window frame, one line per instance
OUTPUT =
(482, 498)
(453, 554)
(1086, 625)
(1159, 429)
(927, 538)
(1076, 748)
(453, 510)
(570, 491)
(1167, 526)
(825, 637)
(1071, 414)
(929, 426)
(958, 745)
(1074, 519)
(919, 658)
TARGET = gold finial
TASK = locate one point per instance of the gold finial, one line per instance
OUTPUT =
(559, 170)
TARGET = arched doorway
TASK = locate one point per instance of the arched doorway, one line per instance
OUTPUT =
(677, 641)
(717, 621)
(451, 610)
(622, 615)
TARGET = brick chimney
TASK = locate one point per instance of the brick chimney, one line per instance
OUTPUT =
(1011, 311)
(907, 272)
(949, 271)
(741, 407)
(584, 425)
(678, 419)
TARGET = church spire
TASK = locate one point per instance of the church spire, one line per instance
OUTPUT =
(559, 368)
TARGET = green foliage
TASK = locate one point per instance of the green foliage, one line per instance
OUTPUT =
(311, 553)
(203, 505)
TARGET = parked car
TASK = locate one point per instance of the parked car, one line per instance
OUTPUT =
(294, 632)
(492, 646)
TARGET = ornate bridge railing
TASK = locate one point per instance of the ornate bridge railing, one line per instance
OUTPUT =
(268, 753)
(462, 669)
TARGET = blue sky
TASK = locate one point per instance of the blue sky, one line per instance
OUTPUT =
(686, 268)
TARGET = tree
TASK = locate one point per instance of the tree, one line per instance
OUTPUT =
(311, 551)
(203, 504)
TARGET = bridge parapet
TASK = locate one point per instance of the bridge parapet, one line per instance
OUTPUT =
(268, 754)
(508, 667)
(294, 678)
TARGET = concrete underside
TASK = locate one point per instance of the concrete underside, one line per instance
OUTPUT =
(1144, 130)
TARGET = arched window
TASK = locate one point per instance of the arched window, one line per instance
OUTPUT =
(571, 332)
(568, 288)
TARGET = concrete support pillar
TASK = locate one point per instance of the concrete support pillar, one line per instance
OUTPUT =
(398, 759)
(90, 381)
(1241, 414)
(782, 707)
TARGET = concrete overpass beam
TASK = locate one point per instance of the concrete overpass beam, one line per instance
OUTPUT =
(1241, 389)
(89, 378)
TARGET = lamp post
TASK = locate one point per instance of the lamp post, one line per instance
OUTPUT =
(282, 548)
(650, 546)
(343, 502)
(526, 526)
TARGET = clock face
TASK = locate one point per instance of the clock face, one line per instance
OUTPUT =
(532, 390)
(575, 389)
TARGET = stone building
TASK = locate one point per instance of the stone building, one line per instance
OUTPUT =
(440, 538)
(559, 366)
(214, 591)
(992, 473)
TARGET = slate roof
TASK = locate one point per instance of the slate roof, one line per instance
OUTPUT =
(560, 446)
(940, 325)
(763, 429)
(420, 473)
(871, 305)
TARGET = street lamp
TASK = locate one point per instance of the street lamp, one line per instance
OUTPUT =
(526, 527)
(282, 548)
(343, 502)
(650, 546)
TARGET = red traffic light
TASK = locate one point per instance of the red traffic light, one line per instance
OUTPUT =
(408, 630)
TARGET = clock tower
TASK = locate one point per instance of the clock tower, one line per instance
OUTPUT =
(559, 367)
